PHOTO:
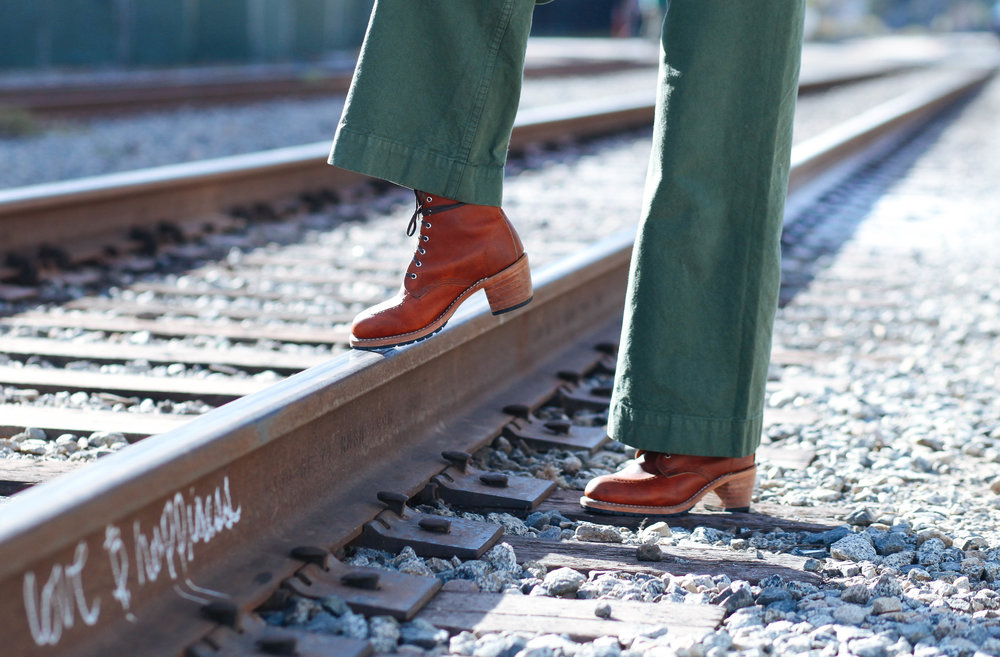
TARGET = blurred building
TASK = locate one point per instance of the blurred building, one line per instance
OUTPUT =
(123, 33)
(844, 18)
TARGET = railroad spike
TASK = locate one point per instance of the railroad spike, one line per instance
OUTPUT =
(222, 612)
(276, 643)
(522, 411)
(571, 377)
(396, 502)
(561, 427)
(312, 554)
(459, 460)
(435, 524)
(494, 479)
(361, 579)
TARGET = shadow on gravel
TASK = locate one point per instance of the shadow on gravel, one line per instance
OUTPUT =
(811, 238)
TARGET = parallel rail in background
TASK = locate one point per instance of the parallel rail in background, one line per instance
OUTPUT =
(83, 216)
(134, 92)
(111, 559)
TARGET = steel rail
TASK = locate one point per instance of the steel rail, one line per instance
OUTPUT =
(131, 92)
(125, 92)
(118, 557)
(82, 215)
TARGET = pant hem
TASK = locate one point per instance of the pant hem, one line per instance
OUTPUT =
(671, 433)
(416, 168)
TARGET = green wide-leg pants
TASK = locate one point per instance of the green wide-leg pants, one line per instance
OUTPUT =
(432, 105)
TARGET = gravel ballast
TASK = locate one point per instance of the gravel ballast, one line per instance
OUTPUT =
(902, 314)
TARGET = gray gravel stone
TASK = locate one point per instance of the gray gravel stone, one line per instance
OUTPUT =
(649, 552)
(564, 582)
(499, 645)
(886, 605)
(930, 552)
(588, 531)
(419, 632)
(853, 547)
(850, 614)
(736, 596)
(501, 557)
(869, 647)
(511, 524)
(463, 643)
(856, 594)
(886, 586)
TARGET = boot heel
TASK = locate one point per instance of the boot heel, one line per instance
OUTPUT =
(736, 492)
(511, 288)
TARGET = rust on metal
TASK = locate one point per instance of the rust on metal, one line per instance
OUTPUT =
(256, 638)
(490, 490)
(573, 437)
(395, 594)
(430, 536)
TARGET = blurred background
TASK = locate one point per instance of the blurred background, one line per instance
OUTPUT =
(48, 34)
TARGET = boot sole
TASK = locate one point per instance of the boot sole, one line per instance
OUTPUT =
(507, 290)
(734, 490)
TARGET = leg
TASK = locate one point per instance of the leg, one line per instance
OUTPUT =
(435, 94)
(704, 279)
(431, 107)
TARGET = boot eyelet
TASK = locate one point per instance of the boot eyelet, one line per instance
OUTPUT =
(430, 199)
(422, 250)
(427, 224)
(425, 238)
(418, 263)
(412, 276)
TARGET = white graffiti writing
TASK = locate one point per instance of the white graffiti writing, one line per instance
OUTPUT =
(166, 546)
(115, 547)
(182, 525)
(61, 599)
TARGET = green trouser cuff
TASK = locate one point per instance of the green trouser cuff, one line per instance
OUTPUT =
(417, 168)
(434, 96)
(683, 434)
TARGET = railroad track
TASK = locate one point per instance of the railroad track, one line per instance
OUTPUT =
(86, 569)
(124, 92)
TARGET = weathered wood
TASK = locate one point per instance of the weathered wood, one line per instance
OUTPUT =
(18, 474)
(218, 390)
(764, 516)
(495, 612)
(309, 266)
(14, 418)
(102, 351)
(677, 560)
(158, 309)
(17, 292)
(251, 292)
(183, 327)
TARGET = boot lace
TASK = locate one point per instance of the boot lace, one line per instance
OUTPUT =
(423, 211)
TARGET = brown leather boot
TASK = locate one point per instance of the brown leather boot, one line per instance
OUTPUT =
(656, 484)
(461, 248)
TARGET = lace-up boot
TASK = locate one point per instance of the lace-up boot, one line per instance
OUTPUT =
(461, 248)
(656, 484)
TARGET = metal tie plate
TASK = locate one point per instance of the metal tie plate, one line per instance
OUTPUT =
(556, 433)
(429, 535)
(255, 637)
(370, 591)
(465, 486)
(593, 398)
